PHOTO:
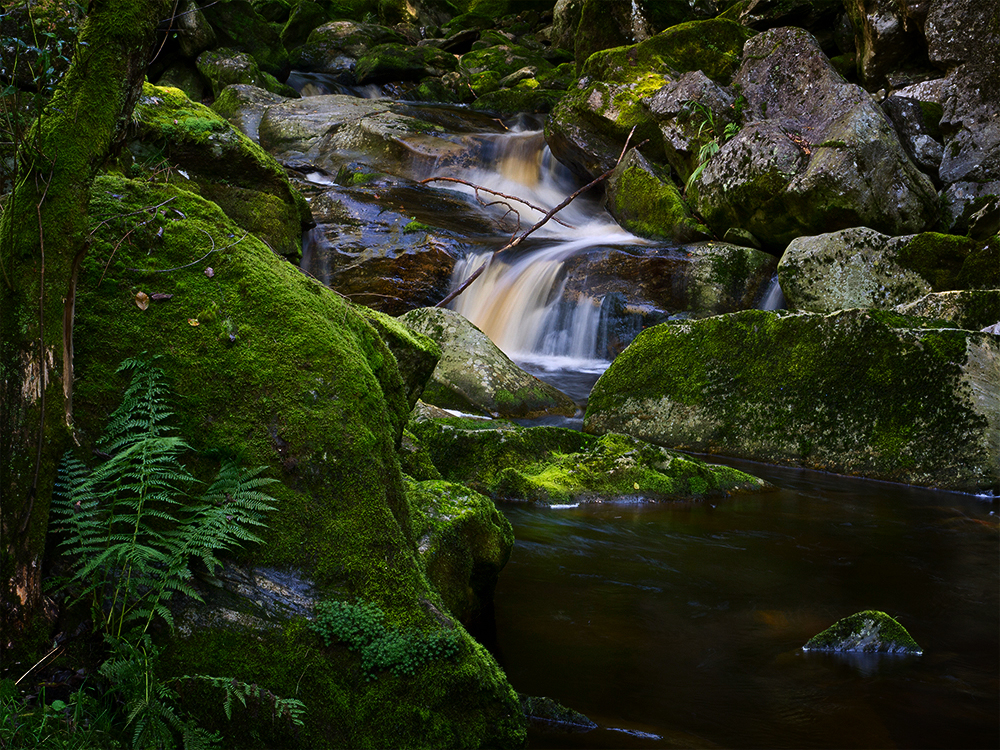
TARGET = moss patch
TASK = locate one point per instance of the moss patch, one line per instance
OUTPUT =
(868, 632)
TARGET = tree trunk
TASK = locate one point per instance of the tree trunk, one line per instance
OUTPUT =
(43, 238)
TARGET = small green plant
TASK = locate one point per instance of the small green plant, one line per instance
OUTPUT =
(361, 628)
(708, 127)
(130, 526)
(82, 722)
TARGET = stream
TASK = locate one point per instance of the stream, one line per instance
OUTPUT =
(681, 625)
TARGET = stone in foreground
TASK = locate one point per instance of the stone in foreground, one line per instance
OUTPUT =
(868, 632)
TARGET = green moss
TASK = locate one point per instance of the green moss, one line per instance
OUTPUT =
(713, 46)
(309, 389)
(553, 465)
(938, 258)
(846, 392)
(869, 632)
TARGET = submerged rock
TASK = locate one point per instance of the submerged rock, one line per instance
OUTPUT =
(861, 392)
(866, 632)
(473, 375)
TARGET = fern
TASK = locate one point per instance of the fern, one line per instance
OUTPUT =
(289, 709)
(132, 528)
(130, 524)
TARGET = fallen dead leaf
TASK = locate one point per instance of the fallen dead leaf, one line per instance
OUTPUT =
(141, 300)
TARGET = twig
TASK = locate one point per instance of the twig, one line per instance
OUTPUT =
(18, 681)
(477, 188)
(517, 240)
(198, 260)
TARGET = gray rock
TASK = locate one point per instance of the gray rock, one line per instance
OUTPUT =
(223, 67)
(244, 105)
(335, 47)
(916, 132)
(684, 132)
(885, 36)
(960, 201)
(817, 155)
(972, 309)
(194, 33)
(473, 375)
(853, 392)
(856, 267)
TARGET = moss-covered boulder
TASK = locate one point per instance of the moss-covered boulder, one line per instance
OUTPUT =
(238, 26)
(222, 67)
(474, 376)
(817, 156)
(197, 147)
(589, 127)
(305, 17)
(553, 465)
(416, 355)
(195, 33)
(463, 542)
(866, 632)
(856, 392)
(863, 268)
(271, 366)
(644, 200)
(722, 277)
(400, 62)
(335, 47)
(973, 309)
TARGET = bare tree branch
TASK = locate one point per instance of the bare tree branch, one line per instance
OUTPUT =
(520, 238)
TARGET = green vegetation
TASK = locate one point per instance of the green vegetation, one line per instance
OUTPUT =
(361, 628)
(868, 632)
(709, 130)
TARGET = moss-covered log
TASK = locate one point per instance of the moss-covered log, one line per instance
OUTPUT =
(43, 237)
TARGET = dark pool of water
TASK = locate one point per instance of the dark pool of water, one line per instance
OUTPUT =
(681, 625)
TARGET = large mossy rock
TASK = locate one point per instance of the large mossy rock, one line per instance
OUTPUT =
(866, 632)
(555, 465)
(336, 46)
(271, 366)
(194, 144)
(644, 200)
(816, 156)
(859, 392)
(473, 375)
(862, 268)
(463, 543)
(589, 127)
(224, 67)
(239, 26)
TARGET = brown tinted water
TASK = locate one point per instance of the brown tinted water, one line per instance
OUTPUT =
(681, 625)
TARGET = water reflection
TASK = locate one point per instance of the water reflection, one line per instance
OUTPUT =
(682, 625)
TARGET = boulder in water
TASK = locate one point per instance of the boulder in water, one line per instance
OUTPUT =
(646, 202)
(554, 465)
(862, 392)
(867, 632)
(473, 375)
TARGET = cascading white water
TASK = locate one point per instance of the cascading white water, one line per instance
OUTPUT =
(774, 298)
(518, 301)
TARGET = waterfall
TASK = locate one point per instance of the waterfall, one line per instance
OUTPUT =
(773, 298)
(519, 301)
